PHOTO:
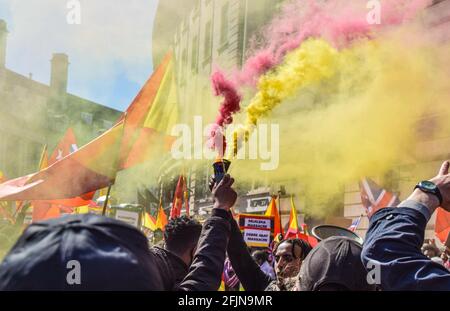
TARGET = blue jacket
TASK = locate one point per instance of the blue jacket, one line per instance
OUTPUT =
(394, 241)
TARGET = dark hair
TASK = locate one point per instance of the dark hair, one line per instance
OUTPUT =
(181, 234)
(305, 247)
(431, 247)
(260, 255)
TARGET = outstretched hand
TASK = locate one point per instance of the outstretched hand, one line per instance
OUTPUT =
(442, 181)
(224, 195)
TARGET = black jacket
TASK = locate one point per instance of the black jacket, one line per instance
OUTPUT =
(247, 270)
(171, 267)
(206, 270)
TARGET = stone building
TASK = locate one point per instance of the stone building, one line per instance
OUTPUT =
(33, 114)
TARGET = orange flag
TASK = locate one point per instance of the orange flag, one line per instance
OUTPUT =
(161, 219)
(272, 210)
(442, 225)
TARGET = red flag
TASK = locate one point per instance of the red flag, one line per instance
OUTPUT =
(91, 167)
(45, 209)
(178, 197)
(66, 146)
(442, 225)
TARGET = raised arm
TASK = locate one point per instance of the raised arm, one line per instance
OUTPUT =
(395, 237)
(249, 273)
(206, 269)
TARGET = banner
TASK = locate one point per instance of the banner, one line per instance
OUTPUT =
(257, 230)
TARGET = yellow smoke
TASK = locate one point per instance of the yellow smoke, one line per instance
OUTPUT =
(351, 113)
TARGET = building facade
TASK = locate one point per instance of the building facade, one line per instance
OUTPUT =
(33, 114)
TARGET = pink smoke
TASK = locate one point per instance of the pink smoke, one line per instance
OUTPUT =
(229, 106)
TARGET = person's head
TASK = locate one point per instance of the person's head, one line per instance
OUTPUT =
(430, 250)
(181, 237)
(334, 265)
(260, 257)
(80, 252)
(289, 255)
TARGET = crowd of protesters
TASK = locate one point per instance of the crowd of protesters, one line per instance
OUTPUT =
(115, 256)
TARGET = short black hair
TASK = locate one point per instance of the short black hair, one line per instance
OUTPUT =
(181, 234)
(260, 255)
(305, 246)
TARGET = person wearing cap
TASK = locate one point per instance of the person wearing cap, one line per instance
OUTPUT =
(334, 265)
(91, 252)
(80, 252)
(395, 236)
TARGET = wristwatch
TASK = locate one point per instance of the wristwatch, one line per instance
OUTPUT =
(430, 187)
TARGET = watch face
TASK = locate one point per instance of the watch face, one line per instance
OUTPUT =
(428, 185)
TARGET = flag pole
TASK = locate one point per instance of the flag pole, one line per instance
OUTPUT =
(279, 211)
(105, 204)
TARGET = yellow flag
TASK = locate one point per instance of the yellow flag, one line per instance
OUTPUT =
(149, 223)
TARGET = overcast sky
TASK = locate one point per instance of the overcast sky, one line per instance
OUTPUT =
(109, 52)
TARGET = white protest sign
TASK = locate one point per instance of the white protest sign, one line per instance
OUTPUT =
(131, 218)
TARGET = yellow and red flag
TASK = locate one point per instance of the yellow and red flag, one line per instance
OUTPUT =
(149, 135)
(272, 210)
(149, 222)
(161, 219)
(293, 230)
